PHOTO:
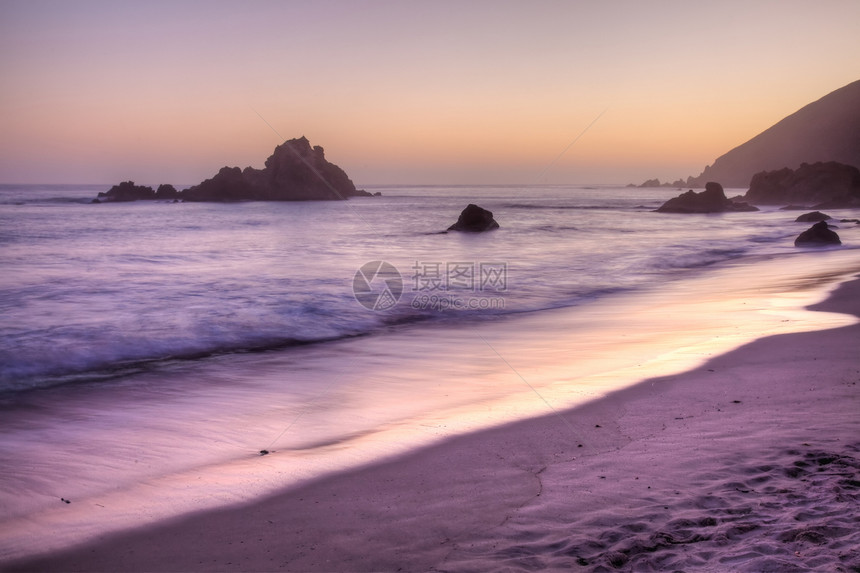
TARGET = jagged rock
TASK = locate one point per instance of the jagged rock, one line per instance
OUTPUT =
(474, 219)
(812, 217)
(818, 235)
(294, 172)
(823, 185)
(657, 183)
(712, 200)
(166, 191)
(126, 191)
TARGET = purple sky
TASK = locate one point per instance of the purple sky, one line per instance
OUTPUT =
(407, 92)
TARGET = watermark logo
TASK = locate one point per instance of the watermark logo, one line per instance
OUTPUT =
(377, 285)
(437, 285)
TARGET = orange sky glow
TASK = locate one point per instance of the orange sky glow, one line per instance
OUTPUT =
(407, 92)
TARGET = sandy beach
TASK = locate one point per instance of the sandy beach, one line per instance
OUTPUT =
(750, 462)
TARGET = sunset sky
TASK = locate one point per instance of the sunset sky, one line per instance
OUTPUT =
(407, 92)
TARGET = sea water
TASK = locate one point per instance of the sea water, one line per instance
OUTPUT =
(160, 357)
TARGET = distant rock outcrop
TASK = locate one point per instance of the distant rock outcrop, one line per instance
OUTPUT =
(657, 183)
(474, 219)
(166, 191)
(294, 172)
(825, 130)
(828, 185)
(126, 191)
(712, 200)
(813, 217)
(818, 235)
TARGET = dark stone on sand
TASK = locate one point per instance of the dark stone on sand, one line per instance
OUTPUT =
(817, 235)
(474, 219)
(823, 185)
(812, 217)
(712, 200)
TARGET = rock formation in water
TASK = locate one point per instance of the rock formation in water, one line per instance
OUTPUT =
(166, 191)
(125, 191)
(829, 185)
(813, 217)
(474, 219)
(657, 183)
(825, 130)
(712, 200)
(818, 235)
(294, 172)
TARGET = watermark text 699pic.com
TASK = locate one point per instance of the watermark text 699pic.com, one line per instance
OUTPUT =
(436, 285)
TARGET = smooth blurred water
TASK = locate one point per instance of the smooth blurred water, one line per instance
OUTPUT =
(149, 351)
(95, 290)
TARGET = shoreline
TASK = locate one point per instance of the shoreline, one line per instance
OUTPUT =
(602, 486)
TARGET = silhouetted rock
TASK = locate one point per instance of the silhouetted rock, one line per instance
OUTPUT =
(712, 200)
(827, 185)
(126, 191)
(817, 235)
(812, 217)
(474, 219)
(166, 191)
(657, 183)
(825, 130)
(294, 172)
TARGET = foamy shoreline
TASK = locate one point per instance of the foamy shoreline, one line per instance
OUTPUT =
(526, 494)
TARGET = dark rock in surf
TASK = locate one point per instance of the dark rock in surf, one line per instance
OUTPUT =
(166, 191)
(126, 191)
(823, 185)
(818, 235)
(474, 219)
(812, 217)
(294, 172)
(712, 200)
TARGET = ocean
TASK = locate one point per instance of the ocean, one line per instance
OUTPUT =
(158, 358)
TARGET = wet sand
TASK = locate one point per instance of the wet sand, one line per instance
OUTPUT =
(749, 462)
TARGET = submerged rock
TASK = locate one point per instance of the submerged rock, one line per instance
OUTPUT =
(712, 200)
(812, 217)
(474, 219)
(818, 235)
